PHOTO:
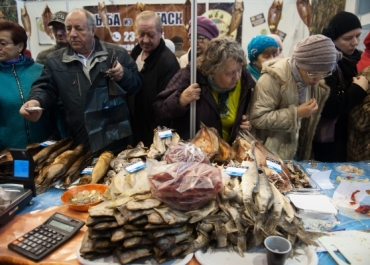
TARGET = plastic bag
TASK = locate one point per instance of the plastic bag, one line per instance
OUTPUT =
(185, 152)
(185, 185)
(4, 199)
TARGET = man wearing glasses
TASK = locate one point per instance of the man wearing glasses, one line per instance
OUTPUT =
(289, 97)
(206, 31)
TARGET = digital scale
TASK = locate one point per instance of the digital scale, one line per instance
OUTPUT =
(20, 195)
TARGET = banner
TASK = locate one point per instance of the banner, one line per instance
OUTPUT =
(121, 21)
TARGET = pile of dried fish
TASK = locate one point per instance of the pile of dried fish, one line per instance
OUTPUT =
(240, 217)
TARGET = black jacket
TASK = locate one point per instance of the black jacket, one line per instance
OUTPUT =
(339, 103)
(65, 76)
(160, 66)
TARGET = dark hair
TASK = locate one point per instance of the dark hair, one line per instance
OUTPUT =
(269, 51)
(18, 34)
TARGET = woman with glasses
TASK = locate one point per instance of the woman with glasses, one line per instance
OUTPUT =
(222, 92)
(17, 73)
(346, 90)
(288, 97)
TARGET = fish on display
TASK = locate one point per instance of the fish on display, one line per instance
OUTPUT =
(236, 16)
(274, 15)
(102, 11)
(59, 167)
(47, 16)
(101, 167)
(26, 21)
(74, 171)
(47, 151)
(186, 14)
(304, 11)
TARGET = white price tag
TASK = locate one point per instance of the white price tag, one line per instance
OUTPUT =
(87, 171)
(47, 143)
(236, 170)
(165, 134)
(135, 166)
(273, 164)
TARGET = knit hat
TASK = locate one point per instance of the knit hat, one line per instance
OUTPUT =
(59, 17)
(258, 44)
(316, 53)
(205, 27)
(340, 24)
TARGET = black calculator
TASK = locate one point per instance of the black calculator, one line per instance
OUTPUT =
(44, 239)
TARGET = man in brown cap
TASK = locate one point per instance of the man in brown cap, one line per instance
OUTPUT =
(59, 30)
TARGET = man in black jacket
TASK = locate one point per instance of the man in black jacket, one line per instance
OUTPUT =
(69, 74)
(157, 65)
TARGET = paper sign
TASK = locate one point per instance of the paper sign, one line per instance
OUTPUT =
(165, 134)
(135, 166)
(273, 164)
(257, 20)
(236, 170)
(87, 171)
(47, 143)
(322, 178)
(315, 202)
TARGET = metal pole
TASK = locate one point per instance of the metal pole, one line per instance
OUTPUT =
(193, 64)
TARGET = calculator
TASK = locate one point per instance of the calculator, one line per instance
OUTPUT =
(44, 239)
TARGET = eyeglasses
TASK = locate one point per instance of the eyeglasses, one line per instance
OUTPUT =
(3, 44)
(316, 75)
(199, 38)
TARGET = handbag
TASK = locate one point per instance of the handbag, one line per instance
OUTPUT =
(106, 112)
(325, 130)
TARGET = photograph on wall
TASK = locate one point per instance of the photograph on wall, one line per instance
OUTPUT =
(44, 39)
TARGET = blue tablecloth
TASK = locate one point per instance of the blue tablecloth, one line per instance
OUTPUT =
(52, 198)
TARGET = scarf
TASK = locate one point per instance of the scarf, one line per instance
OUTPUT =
(301, 86)
(223, 95)
(13, 61)
(254, 72)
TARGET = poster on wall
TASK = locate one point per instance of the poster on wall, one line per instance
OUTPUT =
(43, 38)
(121, 21)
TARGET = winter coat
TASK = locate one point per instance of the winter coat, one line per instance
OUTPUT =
(66, 77)
(159, 67)
(166, 105)
(340, 102)
(16, 81)
(273, 112)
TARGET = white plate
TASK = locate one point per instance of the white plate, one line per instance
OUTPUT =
(224, 257)
(112, 260)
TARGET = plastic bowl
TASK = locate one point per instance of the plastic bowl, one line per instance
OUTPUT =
(65, 198)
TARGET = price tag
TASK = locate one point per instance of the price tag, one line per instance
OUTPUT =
(165, 134)
(273, 164)
(87, 171)
(47, 143)
(135, 166)
(236, 170)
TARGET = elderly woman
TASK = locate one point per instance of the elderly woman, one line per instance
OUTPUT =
(346, 90)
(260, 49)
(288, 97)
(17, 73)
(222, 92)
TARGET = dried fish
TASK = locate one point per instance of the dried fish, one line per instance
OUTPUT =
(143, 205)
(125, 257)
(119, 234)
(274, 15)
(136, 241)
(47, 16)
(172, 216)
(304, 11)
(186, 14)
(198, 215)
(236, 16)
(102, 11)
(101, 167)
(26, 21)
(47, 151)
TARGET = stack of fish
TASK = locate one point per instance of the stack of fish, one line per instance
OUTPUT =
(240, 217)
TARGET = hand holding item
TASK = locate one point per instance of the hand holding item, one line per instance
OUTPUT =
(306, 109)
(192, 93)
(245, 124)
(31, 110)
(361, 81)
(116, 72)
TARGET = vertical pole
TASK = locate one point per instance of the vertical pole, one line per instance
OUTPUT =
(193, 64)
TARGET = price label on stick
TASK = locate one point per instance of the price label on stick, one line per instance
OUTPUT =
(236, 170)
(135, 166)
(273, 164)
(87, 171)
(47, 143)
(165, 134)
